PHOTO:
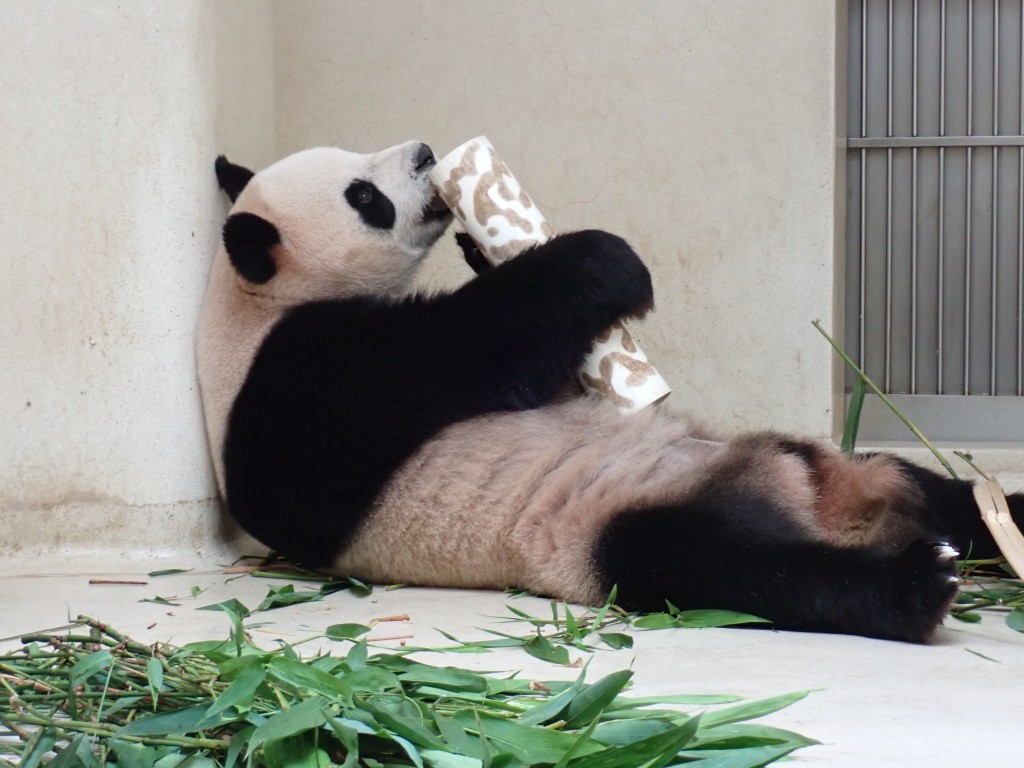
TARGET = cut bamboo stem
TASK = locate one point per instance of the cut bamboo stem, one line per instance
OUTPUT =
(995, 512)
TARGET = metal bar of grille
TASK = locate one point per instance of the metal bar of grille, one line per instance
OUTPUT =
(1020, 212)
(913, 213)
(967, 201)
(941, 298)
(994, 254)
(902, 142)
(862, 303)
(888, 204)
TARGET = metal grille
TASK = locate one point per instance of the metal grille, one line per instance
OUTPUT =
(935, 196)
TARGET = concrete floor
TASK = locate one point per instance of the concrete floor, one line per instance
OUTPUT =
(958, 701)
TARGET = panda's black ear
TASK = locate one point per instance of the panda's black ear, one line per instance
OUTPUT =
(232, 178)
(248, 239)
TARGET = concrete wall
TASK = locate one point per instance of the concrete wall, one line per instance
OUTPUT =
(704, 132)
(111, 115)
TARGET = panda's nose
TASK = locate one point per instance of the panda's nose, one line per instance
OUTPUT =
(424, 158)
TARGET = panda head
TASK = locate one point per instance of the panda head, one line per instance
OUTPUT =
(327, 223)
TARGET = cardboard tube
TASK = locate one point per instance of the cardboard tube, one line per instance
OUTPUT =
(503, 221)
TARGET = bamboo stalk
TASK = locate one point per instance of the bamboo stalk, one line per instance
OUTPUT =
(996, 513)
(889, 403)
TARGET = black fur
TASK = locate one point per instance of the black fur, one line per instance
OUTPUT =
(951, 511)
(472, 254)
(730, 551)
(248, 239)
(375, 208)
(342, 392)
(231, 178)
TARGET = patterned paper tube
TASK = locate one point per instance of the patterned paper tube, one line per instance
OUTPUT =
(502, 219)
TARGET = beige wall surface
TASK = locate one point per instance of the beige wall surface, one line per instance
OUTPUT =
(704, 132)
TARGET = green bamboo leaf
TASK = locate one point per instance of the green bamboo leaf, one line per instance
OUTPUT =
(299, 751)
(278, 597)
(754, 757)
(133, 755)
(304, 716)
(42, 741)
(167, 572)
(527, 744)
(403, 718)
(1015, 619)
(346, 631)
(752, 709)
(542, 648)
(77, 754)
(155, 676)
(593, 700)
(553, 708)
(160, 601)
(308, 678)
(445, 677)
(626, 702)
(572, 627)
(349, 738)
(228, 606)
(620, 733)
(455, 737)
(438, 759)
(178, 722)
(968, 617)
(373, 680)
(241, 693)
(89, 665)
(654, 621)
(705, 618)
(616, 640)
(652, 752)
(357, 655)
(239, 740)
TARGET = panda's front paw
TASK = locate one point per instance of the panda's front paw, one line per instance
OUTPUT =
(612, 275)
(472, 254)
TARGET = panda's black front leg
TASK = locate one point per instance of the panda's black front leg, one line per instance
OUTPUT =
(520, 331)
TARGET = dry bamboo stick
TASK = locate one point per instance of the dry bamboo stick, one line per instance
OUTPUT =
(995, 512)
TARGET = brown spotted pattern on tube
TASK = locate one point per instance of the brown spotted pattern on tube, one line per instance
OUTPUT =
(500, 216)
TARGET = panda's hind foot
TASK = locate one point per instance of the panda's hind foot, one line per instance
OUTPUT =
(923, 582)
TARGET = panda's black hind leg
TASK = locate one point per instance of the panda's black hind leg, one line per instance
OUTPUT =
(699, 558)
(948, 508)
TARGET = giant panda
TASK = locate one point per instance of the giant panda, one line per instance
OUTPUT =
(357, 428)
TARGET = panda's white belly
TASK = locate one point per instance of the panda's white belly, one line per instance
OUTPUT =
(517, 499)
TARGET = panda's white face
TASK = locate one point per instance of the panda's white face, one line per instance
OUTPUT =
(336, 224)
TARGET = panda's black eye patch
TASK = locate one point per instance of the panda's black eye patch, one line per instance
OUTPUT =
(375, 209)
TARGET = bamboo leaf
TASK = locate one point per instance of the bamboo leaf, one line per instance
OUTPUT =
(654, 751)
(240, 694)
(1015, 619)
(542, 648)
(616, 640)
(175, 722)
(346, 631)
(752, 709)
(593, 700)
(89, 666)
(304, 677)
(167, 572)
(299, 751)
(155, 677)
(304, 716)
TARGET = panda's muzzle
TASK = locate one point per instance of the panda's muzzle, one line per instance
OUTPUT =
(436, 209)
(424, 159)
